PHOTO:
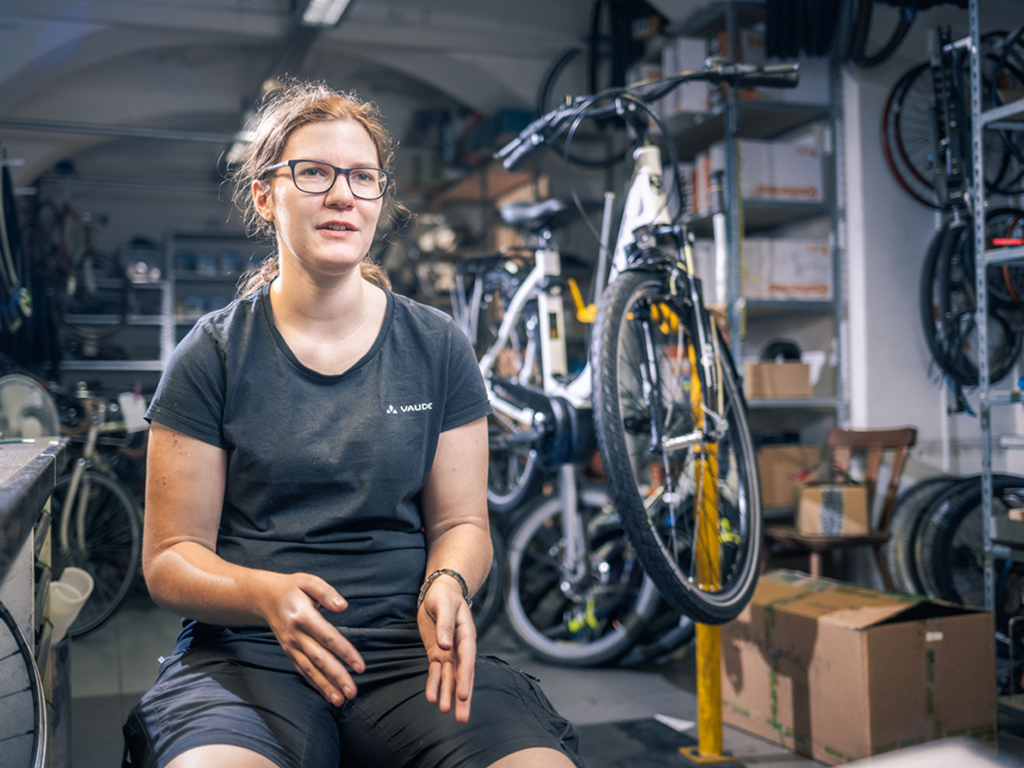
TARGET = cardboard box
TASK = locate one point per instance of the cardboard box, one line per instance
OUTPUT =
(775, 381)
(839, 672)
(787, 269)
(780, 468)
(833, 509)
(769, 170)
(679, 55)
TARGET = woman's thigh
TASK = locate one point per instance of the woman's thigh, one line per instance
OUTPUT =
(203, 698)
(391, 723)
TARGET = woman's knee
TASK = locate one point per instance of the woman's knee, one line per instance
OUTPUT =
(221, 756)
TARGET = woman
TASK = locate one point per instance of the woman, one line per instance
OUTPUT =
(315, 501)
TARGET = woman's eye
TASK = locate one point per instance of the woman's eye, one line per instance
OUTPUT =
(364, 176)
(313, 172)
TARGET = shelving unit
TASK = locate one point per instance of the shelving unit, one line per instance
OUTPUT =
(200, 273)
(736, 119)
(988, 398)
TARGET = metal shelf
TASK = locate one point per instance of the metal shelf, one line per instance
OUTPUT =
(113, 365)
(804, 403)
(754, 120)
(113, 319)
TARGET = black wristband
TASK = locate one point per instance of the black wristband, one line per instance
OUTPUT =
(444, 572)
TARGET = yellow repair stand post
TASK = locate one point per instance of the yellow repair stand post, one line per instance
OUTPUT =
(708, 570)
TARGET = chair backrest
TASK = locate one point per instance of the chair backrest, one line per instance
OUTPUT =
(873, 444)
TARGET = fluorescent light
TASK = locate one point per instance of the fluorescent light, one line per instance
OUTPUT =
(324, 13)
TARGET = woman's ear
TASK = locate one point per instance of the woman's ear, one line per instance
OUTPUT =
(262, 199)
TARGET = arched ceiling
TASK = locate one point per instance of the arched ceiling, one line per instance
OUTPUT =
(195, 65)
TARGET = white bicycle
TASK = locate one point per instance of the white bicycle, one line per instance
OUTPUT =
(668, 411)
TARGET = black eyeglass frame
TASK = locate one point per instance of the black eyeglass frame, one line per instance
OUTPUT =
(388, 176)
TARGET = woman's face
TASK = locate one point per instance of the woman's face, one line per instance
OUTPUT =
(326, 233)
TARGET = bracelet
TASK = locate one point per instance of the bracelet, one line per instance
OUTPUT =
(444, 572)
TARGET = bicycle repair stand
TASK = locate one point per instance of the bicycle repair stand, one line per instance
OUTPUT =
(708, 637)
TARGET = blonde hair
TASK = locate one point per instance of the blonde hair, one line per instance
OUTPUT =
(294, 104)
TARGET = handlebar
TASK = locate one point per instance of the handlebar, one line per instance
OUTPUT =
(624, 100)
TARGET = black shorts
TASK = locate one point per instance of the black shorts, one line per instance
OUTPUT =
(247, 693)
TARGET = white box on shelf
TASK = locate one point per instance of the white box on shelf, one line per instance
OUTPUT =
(643, 71)
(754, 272)
(787, 269)
(681, 54)
(772, 170)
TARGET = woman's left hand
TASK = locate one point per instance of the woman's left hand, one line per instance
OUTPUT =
(449, 635)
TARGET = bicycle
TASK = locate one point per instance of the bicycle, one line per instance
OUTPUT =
(575, 593)
(668, 410)
(23, 724)
(97, 523)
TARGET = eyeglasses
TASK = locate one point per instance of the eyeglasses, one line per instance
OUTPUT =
(315, 178)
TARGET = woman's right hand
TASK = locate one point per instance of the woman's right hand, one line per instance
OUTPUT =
(289, 603)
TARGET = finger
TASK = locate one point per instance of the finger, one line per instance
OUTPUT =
(465, 672)
(341, 648)
(315, 677)
(447, 686)
(444, 627)
(324, 594)
(433, 681)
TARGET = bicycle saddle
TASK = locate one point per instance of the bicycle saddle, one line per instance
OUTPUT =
(534, 217)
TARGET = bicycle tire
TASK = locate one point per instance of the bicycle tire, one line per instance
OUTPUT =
(489, 599)
(958, 562)
(23, 739)
(911, 506)
(630, 321)
(515, 471)
(583, 622)
(898, 156)
(924, 543)
(111, 548)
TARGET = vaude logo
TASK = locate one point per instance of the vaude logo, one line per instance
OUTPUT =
(408, 408)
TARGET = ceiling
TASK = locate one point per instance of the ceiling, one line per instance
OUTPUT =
(105, 82)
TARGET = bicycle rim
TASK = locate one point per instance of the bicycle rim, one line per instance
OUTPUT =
(958, 554)
(644, 357)
(109, 550)
(584, 620)
(22, 705)
(514, 471)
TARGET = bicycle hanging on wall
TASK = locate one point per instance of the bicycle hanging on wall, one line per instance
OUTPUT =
(669, 415)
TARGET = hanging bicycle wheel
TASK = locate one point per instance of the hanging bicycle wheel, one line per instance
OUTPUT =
(22, 701)
(102, 537)
(654, 410)
(577, 614)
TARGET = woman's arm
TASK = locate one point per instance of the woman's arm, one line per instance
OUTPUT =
(185, 482)
(458, 537)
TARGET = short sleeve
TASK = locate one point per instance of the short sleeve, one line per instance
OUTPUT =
(467, 397)
(190, 395)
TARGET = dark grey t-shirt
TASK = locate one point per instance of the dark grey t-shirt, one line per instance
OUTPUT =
(324, 472)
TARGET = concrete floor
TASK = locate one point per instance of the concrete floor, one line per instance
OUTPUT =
(111, 667)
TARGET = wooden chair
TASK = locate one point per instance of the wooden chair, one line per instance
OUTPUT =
(873, 444)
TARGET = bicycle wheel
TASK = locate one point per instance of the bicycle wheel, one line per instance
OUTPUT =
(954, 543)
(489, 598)
(645, 395)
(22, 702)
(514, 471)
(105, 540)
(576, 614)
(911, 506)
